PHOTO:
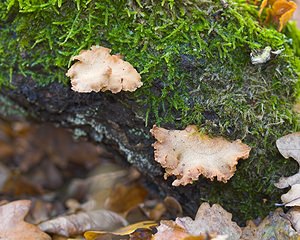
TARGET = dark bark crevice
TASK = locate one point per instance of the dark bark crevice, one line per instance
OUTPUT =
(106, 118)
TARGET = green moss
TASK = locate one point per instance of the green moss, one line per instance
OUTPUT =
(194, 58)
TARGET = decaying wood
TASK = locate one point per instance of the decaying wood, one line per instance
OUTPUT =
(105, 118)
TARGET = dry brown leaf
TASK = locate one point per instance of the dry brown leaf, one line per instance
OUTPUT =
(76, 224)
(6, 150)
(142, 234)
(13, 226)
(292, 197)
(173, 206)
(97, 187)
(97, 70)
(214, 220)
(187, 154)
(42, 210)
(275, 226)
(289, 146)
(199, 238)
(56, 145)
(129, 195)
(18, 185)
(170, 230)
(209, 220)
(294, 216)
(124, 231)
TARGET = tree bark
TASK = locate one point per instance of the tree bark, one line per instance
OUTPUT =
(105, 118)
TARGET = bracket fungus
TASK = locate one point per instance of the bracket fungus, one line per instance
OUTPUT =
(96, 70)
(187, 154)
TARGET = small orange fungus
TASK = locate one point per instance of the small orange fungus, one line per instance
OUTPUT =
(279, 11)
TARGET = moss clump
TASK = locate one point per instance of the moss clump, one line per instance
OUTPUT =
(195, 65)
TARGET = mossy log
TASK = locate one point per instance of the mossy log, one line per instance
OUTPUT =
(102, 118)
(194, 59)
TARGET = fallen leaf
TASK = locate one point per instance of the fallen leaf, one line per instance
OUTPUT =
(92, 235)
(18, 185)
(6, 150)
(289, 146)
(99, 185)
(42, 210)
(215, 220)
(141, 234)
(56, 145)
(294, 216)
(187, 154)
(173, 206)
(278, 11)
(292, 197)
(157, 212)
(171, 230)
(275, 226)
(130, 196)
(13, 226)
(97, 70)
(212, 220)
(76, 224)
(203, 237)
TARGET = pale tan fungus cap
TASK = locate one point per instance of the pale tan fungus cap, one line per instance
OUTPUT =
(187, 154)
(96, 70)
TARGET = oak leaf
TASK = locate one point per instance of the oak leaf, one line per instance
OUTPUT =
(292, 197)
(209, 220)
(187, 154)
(97, 70)
(274, 226)
(289, 146)
(294, 216)
(13, 226)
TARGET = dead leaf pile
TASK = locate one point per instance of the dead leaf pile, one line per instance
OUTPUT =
(289, 146)
(40, 158)
(212, 220)
(187, 154)
(97, 204)
(278, 11)
(47, 158)
(274, 226)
